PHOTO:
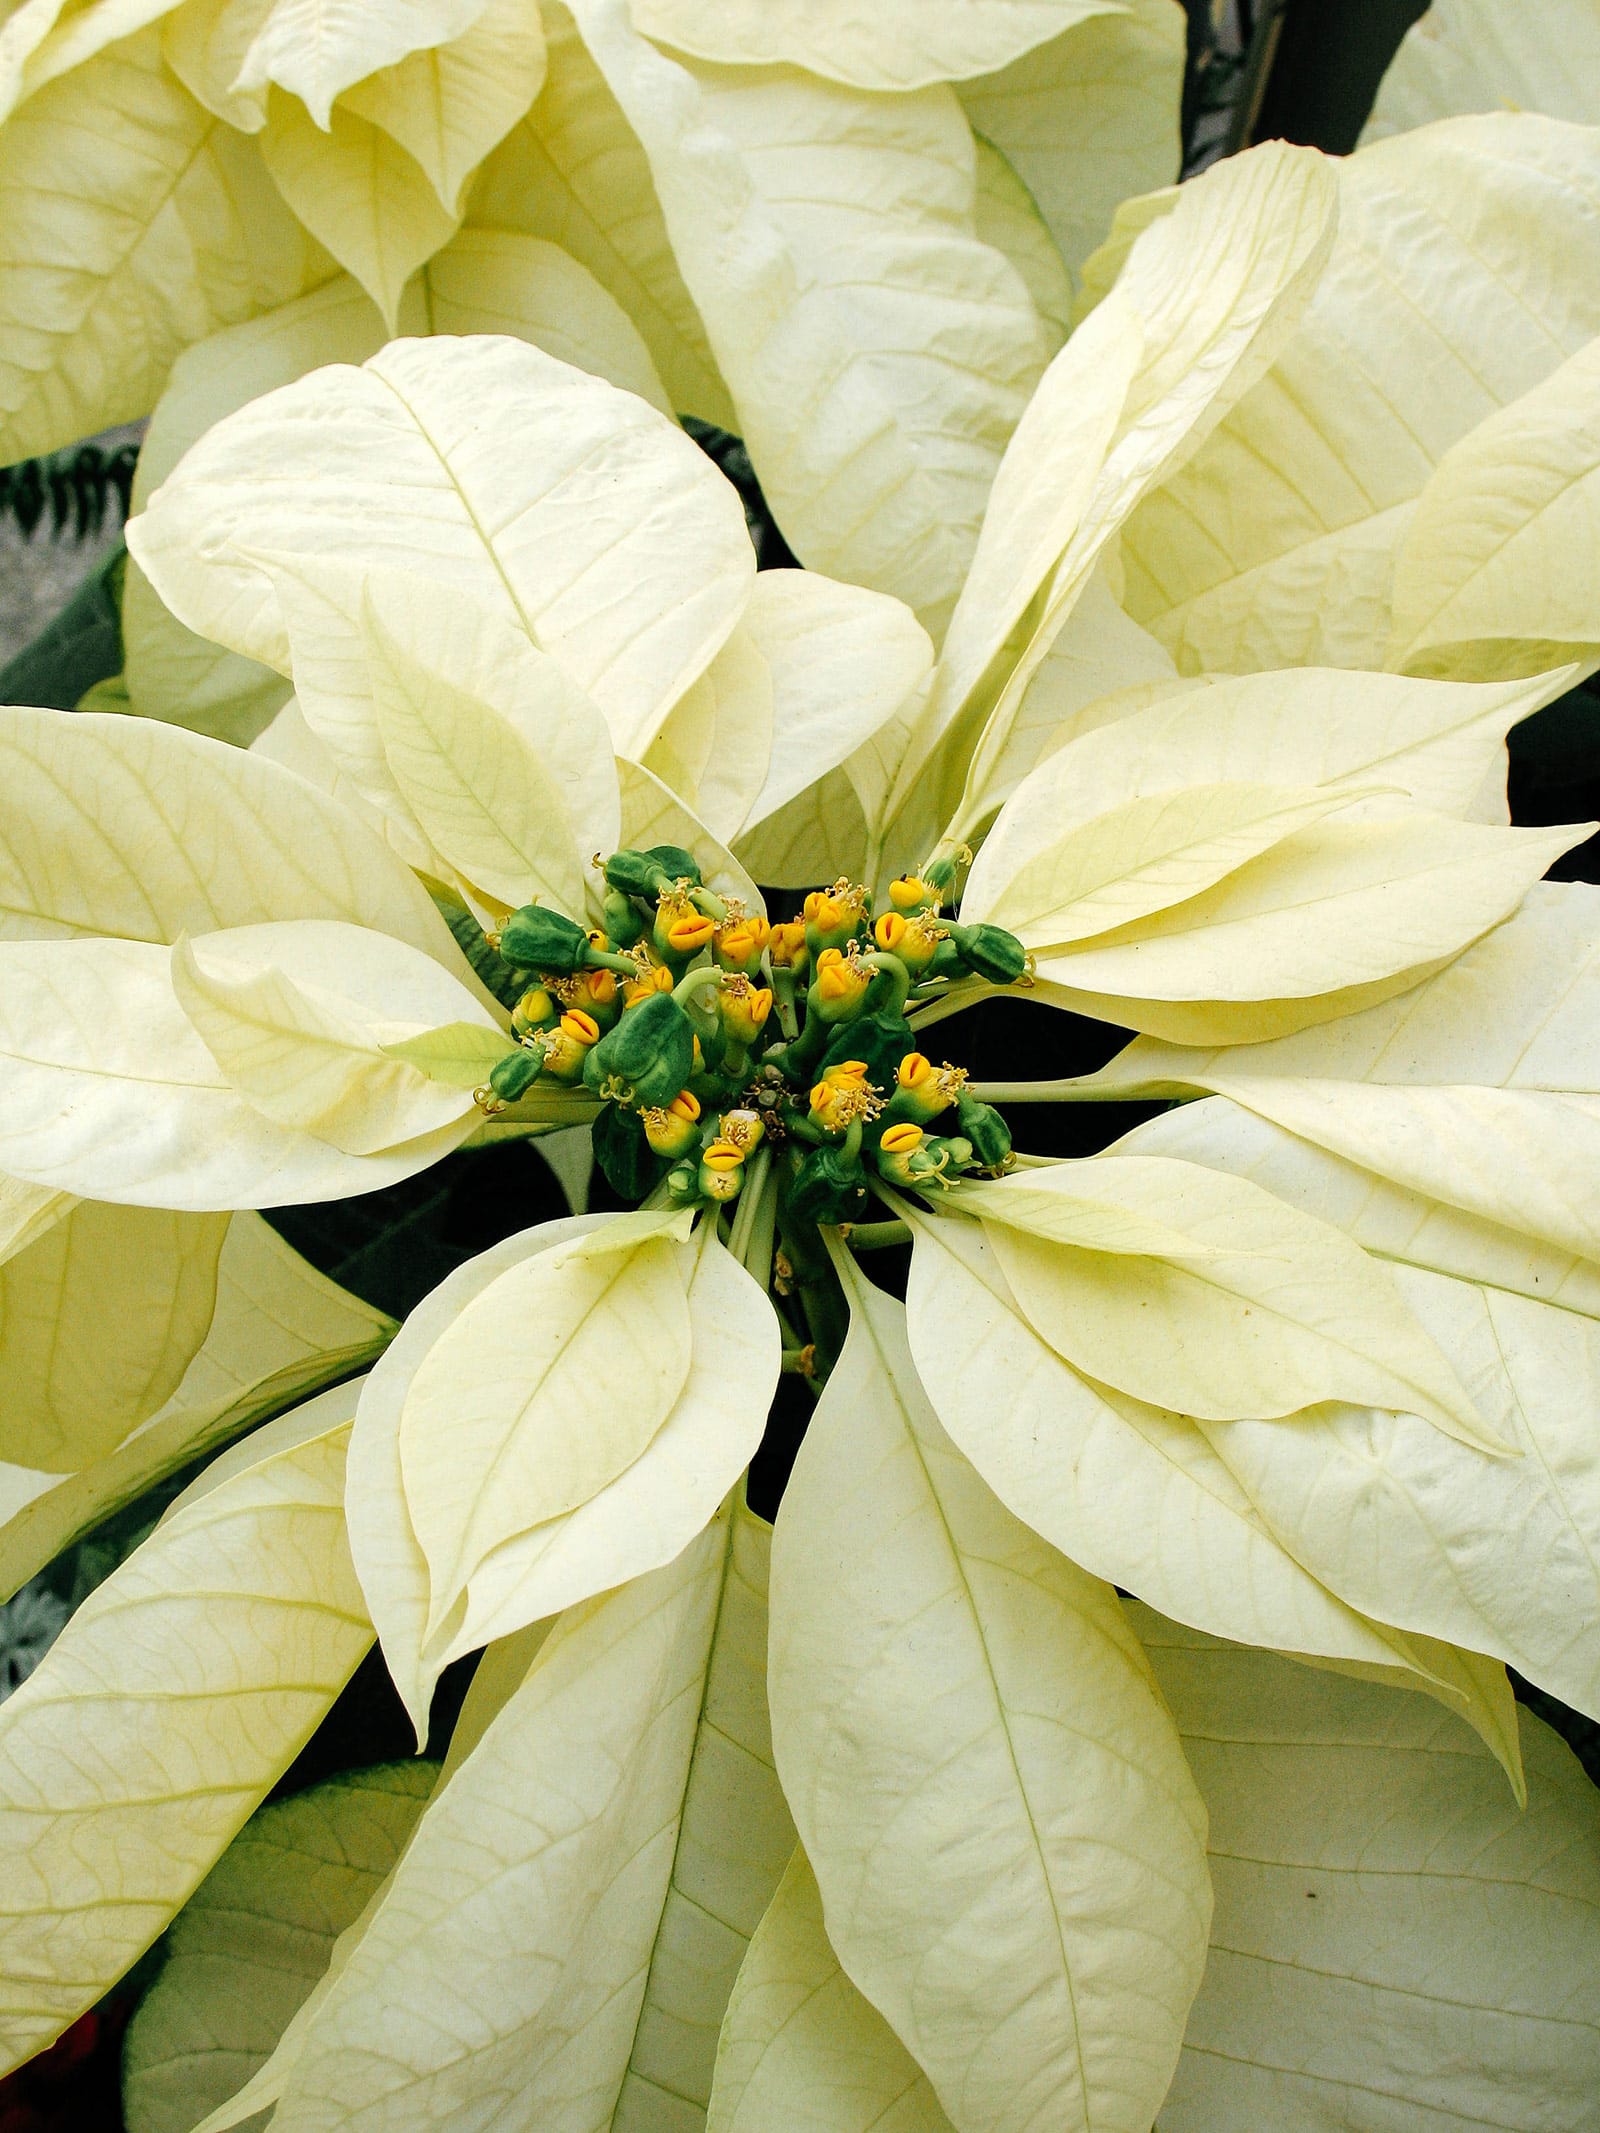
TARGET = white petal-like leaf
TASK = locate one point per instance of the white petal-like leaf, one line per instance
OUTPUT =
(1489, 55)
(504, 474)
(280, 1330)
(573, 173)
(1133, 1493)
(166, 1708)
(131, 827)
(1397, 1943)
(500, 281)
(359, 193)
(905, 45)
(297, 1015)
(1502, 1555)
(634, 1524)
(1497, 568)
(1090, 118)
(1208, 297)
(99, 1320)
(550, 1975)
(1467, 268)
(318, 48)
(1275, 1312)
(108, 1091)
(1007, 1841)
(1477, 1090)
(1333, 908)
(801, 2048)
(449, 103)
(170, 228)
(1008, 218)
(256, 1935)
(877, 363)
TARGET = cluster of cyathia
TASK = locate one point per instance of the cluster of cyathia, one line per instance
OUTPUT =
(707, 1033)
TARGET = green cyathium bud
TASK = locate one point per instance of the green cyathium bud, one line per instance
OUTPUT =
(879, 1041)
(829, 1186)
(623, 923)
(989, 952)
(988, 1132)
(648, 872)
(516, 1074)
(647, 1058)
(537, 939)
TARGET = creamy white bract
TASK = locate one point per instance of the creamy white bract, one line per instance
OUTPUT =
(895, 1813)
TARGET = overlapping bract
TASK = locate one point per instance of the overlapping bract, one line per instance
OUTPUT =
(1303, 1364)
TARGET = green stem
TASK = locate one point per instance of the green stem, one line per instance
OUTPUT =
(874, 1236)
(782, 976)
(963, 995)
(687, 993)
(1076, 1089)
(603, 959)
(898, 977)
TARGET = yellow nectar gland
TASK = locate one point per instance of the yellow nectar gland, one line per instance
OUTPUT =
(739, 942)
(674, 1129)
(740, 1129)
(915, 940)
(787, 945)
(910, 893)
(569, 1043)
(903, 1139)
(687, 936)
(836, 1105)
(840, 977)
(927, 1088)
(653, 978)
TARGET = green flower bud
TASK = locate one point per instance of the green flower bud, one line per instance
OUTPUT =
(622, 922)
(537, 939)
(647, 873)
(989, 952)
(516, 1074)
(879, 1041)
(829, 1187)
(647, 1058)
(988, 1132)
(629, 1165)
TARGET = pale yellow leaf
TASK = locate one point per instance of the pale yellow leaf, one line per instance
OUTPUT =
(504, 474)
(1344, 904)
(1397, 1944)
(1496, 571)
(1206, 301)
(319, 48)
(801, 2048)
(550, 1383)
(296, 1015)
(359, 193)
(983, 1776)
(1090, 117)
(40, 39)
(1140, 1496)
(172, 230)
(1476, 1090)
(499, 281)
(1499, 1555)
(99, 1320)
(1467, 268)
(636, 1523)
(504, 763)
(1008, 218)
(111, 825)
(253, 1939)
(521, 1967)
(1492, 55)
(449, 104)
(107, 1090)
(280, 1331)
(573, 173)
(877, 361)
(166, 1708)
(906, 44)
(1276, 1310)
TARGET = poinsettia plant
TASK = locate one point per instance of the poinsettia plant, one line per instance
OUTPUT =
(1112, 1726)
